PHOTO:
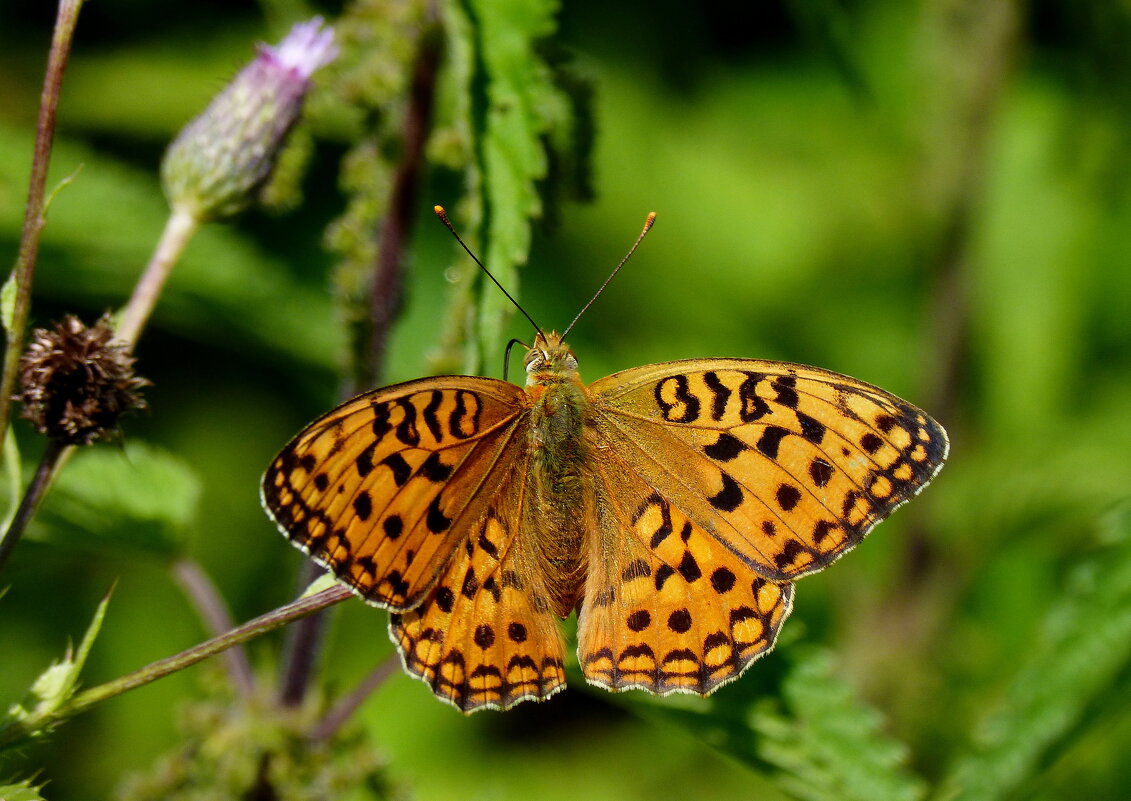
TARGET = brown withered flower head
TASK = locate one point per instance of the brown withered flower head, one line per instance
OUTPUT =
(77, 382)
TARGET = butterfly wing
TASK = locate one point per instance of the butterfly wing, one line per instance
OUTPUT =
(667, 607)
(787, 467)
(412, 495)
(383, 489)
(486, 636)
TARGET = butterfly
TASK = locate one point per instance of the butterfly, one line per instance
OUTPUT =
(671, 506)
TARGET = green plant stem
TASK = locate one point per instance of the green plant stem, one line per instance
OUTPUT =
(26, 729)
(30, 501)
(179, 229)
(34, 213)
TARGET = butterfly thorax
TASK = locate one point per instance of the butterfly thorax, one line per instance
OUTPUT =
(558, 482)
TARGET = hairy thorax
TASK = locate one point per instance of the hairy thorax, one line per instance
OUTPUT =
(559, 487)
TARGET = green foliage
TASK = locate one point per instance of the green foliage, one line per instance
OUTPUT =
(826, 744)
(812, 735)
(1063, 685)
(8, 301)
(515, 105)
(31, 718)
(237, 749)
(12, 477)
(135, 496)
(21, 791)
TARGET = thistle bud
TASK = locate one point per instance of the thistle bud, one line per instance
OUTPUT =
(219, 160)
(77, 382)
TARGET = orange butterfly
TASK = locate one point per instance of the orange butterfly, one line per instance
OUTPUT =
(671, 505)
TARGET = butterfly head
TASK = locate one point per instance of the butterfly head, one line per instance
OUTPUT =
(549, 356)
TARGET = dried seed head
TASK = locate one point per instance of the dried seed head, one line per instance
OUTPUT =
(77, 382)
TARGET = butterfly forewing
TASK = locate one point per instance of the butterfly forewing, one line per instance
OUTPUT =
(786, 466)
(385, 487)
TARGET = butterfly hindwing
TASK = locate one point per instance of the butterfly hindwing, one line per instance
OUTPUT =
(667, 607)
(382, 489)
(786, 466)
(485, 637)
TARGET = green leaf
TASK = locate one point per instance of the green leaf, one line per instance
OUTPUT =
(1085, 644)
(12, 473)
(826, 744)
(138, 496)
(515, 109)
(323, 582)
(21, 791)
(55, 686)
(8, 301)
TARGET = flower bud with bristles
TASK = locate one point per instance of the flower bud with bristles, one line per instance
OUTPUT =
(77, 381)
(220, 160)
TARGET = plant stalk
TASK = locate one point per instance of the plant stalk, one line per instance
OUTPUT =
(206, 598)
(30, 501)
(28, 728)
(179, 229)
(35, 212)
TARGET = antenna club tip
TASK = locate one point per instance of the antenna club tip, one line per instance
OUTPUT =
(439, 210)
(649, 222)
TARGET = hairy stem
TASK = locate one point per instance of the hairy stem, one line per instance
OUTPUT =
(34, 213)
(212, 610)
(178, 231)
(25, 729)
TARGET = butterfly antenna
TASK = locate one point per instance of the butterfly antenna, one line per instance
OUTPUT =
(443, 215)
(647, 227)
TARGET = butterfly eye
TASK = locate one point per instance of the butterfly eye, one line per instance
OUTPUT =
(571, 362)
(535, 360)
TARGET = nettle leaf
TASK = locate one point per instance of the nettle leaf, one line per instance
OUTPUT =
(826, 744)
(516, 106)
(1084, 645)
(137, 496)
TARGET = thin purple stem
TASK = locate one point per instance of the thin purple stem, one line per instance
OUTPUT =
(348, 704)
(213, 611)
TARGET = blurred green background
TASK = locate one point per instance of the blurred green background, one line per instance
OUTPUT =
(931, 196)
